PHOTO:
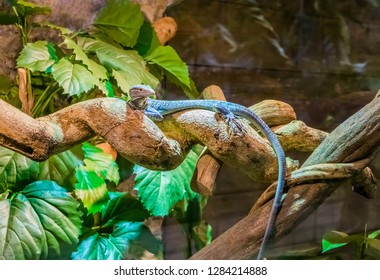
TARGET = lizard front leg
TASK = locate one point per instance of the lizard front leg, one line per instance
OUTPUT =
(153, 114)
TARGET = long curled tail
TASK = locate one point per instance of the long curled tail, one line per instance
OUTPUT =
(260, 124)
(276, 204)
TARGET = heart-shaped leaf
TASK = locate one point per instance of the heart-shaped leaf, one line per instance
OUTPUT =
(37, 56)
(42, 221)
(159, 191)
(73, 77)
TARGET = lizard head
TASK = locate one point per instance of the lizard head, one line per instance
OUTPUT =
(140, 92)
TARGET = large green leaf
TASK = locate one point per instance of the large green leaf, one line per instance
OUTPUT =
(123, 243)
(122, 207)
(73, 77)
(40, 222)
(91, 189)
(121, 20)
(168, 59)
(126, 66)
(159, 191)
(37, 56)
(15, 169)
(97, 70)
(100, 162)
(60, 168)
(147, 40)
(176, 70)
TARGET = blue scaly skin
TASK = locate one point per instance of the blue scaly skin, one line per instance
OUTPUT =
(156, 109)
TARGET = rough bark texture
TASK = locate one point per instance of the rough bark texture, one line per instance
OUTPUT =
(136, 137)
(132, 134)
(353, 140)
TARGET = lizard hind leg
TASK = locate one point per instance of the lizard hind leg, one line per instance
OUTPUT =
(232, 121)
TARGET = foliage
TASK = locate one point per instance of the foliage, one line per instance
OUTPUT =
(67, 206)
(365, 246)
(160, 191)
(41, 221)
(120, 51)
(337, 245)
(120, 233)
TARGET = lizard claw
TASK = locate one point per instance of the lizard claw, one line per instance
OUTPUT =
(233, 123)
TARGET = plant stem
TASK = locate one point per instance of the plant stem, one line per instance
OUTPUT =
(44, 99)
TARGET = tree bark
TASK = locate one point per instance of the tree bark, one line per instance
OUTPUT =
(355, 139)
(137, 138)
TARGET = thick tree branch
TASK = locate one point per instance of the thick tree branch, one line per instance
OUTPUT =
(132, 134)
(353, 140)
(136, 137)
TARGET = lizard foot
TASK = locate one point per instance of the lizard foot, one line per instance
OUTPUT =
(233, 123)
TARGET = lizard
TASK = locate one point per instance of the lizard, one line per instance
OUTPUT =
(156, 109)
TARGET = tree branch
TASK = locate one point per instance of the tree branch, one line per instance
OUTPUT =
(136, 137)
(132, 134)
(353, 140)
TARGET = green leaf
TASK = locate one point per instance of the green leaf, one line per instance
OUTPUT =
(126, 66)
(37, 56)
(25, 8)
(332, 240)
(176, 70)
(91, 189)
(15, 169)
(73, 77)
(100, 162)
(159, 191)
(119, 245)
(60, 168)
(168, 59)
(121, 20)
(373, 248)
(98, 71)
(40, 222)
(122, 207)
(147, 40)
(374, 234)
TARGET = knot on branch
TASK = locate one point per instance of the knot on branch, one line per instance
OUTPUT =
(328, 171)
